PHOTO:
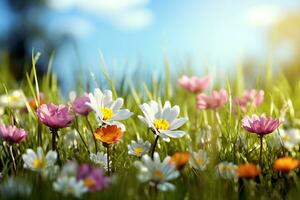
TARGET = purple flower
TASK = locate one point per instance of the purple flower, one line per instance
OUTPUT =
(93, 178)
(79, 105)
(12, 134)
(260, 125)
(54, 116)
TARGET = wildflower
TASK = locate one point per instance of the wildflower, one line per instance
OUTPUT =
(93, 178)
(194, 84)
(54, 116)
(227, 170)
(260, 125)
(99, 158)
(290, 138)
(15, 99)
(79, 105)
(109, 134)
(138, 148)
(286, 164)
(15, 187)
(34, 104)
(180, 159)
(107, 110)
(217, 100)
(250, 97)
(199, 160)
(156, 172)
(163, 120)
(70, 186)
(248, 170)
(12, 134)
(37, 161)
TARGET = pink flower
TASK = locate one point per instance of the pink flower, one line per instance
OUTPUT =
(217, 100)
(79, 105)
(54, 116)
(260, 125)
(12, 134)
(250, 97)
(92, 177)
(194, 84)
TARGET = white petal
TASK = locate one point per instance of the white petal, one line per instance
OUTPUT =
(173, 134)
(178, 123)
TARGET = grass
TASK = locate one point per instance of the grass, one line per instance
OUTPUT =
(281, 100)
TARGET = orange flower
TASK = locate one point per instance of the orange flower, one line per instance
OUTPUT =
(109, 134)
(180, 159)
(286, 164)
(248, 170)
(33, 102)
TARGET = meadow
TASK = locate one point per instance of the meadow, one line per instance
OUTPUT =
(173, 137)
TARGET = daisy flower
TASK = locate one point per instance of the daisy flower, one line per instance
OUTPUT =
(156, 172)
(37, 161)
(138, 148)
(108, 111)
(227, 170)
(100, 158)
(163, 119)
(15, 99)
(290, 138)
(199, 160)
(70, 186)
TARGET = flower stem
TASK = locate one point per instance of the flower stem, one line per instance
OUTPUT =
(39, 135)
(13, 158)
(260, 151)
(77, 129)
(153, 146)
(107, 152)
(92, 131)
(54, 147)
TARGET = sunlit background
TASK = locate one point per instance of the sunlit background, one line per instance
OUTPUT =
(143, 34)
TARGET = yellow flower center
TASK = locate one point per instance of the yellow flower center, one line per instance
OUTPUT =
(89, 182)
(285, 138)
(162, 124)
(107, 113)
(14, 98)
(138, 151)
(158, 175)
(199, 161)
(38, 163)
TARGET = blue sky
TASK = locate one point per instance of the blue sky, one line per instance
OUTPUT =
(210, 32)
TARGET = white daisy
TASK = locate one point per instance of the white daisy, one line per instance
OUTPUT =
(199, 160)
(15, 99)
(108, 111)
(138, 148)
(70, 186)
(156, 172)
(99, 159)
(227, 170)
(163, 119)
(37, 161)
(290, 138)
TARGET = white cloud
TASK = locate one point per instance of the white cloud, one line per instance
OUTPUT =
(125, 14)
(263, 15)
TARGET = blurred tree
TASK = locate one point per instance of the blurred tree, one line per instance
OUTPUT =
(25, 30)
